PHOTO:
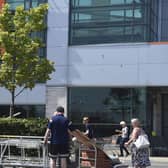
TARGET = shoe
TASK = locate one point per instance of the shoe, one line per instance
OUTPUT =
(121, 155)
(127, 154)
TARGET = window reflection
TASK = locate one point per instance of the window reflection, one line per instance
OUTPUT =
(27, 4)
(107, 105)
(90, 19)
(15, 3)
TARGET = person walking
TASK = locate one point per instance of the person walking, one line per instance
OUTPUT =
(140, 157)
(88, 128)
(58, 128)
(124, 138)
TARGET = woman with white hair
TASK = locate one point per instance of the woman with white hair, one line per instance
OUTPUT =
(140, 157)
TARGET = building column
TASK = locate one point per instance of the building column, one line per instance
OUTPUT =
(55, 96)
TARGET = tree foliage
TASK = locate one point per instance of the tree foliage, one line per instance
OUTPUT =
(20, 64)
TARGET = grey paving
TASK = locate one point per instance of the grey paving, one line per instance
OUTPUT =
(157, 162)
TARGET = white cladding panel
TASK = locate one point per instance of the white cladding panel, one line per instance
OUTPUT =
(35, 96)
(57, 40)
(118, 65)
(56, 96)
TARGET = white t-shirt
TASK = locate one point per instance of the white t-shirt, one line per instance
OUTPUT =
(124, 132)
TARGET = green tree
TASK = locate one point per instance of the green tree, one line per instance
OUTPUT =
(20, 64)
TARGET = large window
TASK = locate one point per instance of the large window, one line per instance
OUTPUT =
(108, 21)
(27, 5)
(107, 106)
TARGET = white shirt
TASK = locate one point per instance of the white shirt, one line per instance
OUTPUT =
(124, 132)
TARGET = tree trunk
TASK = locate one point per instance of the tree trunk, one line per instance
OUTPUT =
(12, 106)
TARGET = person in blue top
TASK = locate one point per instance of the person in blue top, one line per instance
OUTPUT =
(58, 129)
(88, 128)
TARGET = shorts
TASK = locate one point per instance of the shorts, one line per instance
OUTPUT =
(58, 150)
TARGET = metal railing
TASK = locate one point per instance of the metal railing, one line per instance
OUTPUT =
(23, 151)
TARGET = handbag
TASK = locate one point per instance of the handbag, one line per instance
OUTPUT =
(142, 142)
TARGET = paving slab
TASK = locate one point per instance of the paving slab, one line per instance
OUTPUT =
(157, 162)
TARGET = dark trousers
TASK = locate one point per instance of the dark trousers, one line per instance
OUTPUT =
(122, 147)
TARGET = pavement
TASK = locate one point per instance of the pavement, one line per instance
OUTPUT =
(156, 162)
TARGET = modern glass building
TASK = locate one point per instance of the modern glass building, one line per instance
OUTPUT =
(111, 63)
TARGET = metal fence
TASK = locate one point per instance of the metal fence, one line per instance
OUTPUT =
(23, 151)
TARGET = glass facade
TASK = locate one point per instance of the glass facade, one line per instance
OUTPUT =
(164, 20)
(112, 21)
(43, 37)
(27, 111)
(107, 106)
(27, 5)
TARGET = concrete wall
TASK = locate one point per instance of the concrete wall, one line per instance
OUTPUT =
(36, 96)
(57, 51)
(56, 96)
(57, 40)
(118, 65)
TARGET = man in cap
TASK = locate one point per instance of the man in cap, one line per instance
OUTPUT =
(58, 128)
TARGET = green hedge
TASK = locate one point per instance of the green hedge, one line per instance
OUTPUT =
(23, 127)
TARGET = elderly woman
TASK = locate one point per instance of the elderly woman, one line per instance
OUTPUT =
(140, 157)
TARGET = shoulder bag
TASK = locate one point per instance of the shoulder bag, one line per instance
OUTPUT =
(142, 142)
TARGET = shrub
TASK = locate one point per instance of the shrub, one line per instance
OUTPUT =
(23, 127)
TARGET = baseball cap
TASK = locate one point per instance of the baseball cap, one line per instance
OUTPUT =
(85, 118)
(122, 123)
